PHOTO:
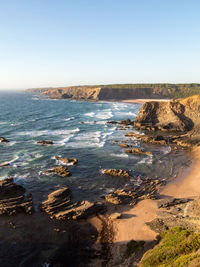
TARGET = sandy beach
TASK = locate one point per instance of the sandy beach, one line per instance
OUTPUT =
(142, 101)
(132, 224)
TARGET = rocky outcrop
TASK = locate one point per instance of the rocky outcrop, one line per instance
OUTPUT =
(138, 151)
(60, 171)
(45, 142)
(67, 161)
(115, 172)
(13, 199)
(3, 140)
(175, 115)
(146, 189)
(59, 206)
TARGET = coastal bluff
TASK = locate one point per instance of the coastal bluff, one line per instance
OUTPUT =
(181, 115)
(118, 92)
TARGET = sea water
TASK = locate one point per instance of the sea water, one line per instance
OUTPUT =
(78, 129)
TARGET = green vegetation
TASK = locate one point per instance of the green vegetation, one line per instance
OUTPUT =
(164, 89)
(178, 247)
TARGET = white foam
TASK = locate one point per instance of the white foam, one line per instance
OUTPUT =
(90, 114)
(88, 139)
(122, 155)
(49, 132)
(70, 119)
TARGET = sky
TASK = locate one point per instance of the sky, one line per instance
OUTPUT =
(49, 43)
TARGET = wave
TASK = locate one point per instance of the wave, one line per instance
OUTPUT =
(49, 132)
(104, 114)
(121, 155)
(70, 119)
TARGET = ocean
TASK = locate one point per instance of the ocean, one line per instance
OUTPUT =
(78, 129)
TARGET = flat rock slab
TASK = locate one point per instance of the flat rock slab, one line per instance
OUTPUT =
(13, 199)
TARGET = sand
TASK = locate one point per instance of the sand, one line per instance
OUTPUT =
(142, 101)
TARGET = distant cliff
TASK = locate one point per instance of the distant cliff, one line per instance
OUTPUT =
(121, 91)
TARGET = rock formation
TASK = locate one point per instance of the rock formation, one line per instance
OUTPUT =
(13, 199)
(60, 171)
(45, 142)
(3, 140)
(115, 172)
(59, 206)
(67, 161)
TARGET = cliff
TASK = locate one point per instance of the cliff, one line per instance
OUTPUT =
(176, 115)
(121, 91)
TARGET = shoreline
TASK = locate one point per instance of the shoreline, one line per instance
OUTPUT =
(132, 225)
(142, 101)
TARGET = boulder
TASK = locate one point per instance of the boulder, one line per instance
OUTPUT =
(67, 161)
(45, 142)
(60, 171)
(13, 199)
(3, 140)
(117, 172)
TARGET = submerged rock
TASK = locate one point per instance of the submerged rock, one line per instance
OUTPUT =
(13, 199)
(60, 171)
(59, 206)
(115, 172)
(67, 160)
(45, 142)
(3, 140)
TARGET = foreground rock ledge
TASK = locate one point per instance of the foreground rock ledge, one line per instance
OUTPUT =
(13, 199)
(59, 206)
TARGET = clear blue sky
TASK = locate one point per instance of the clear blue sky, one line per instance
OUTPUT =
(71, 42)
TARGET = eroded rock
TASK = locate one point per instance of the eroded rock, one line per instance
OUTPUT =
(60, 171)
(59, 206)
(3, 140)
(67, 161)
(138, 151)
(45, 142)
(13, 199)
(117, 172)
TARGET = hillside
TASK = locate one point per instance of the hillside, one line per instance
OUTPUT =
(121, 91)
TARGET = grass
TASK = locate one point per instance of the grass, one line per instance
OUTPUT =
(178, 248)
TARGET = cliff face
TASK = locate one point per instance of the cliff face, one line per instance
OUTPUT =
(98, 93)
(174, 115)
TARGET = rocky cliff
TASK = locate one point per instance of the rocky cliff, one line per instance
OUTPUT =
(121, 91)
(176, 115)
